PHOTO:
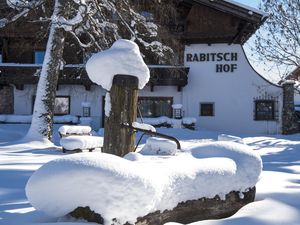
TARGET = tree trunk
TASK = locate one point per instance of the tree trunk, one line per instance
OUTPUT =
(42, 118)
(185, 212)
(119, 140)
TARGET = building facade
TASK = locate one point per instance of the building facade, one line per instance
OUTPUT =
(216, 83)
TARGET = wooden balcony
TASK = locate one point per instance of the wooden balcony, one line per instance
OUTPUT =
(21, 74)
(168, 76)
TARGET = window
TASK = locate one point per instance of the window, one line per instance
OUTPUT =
(155, 106)
(206, 109)
(73, 53)
(264, 110)
(62, 105)
(39, 57)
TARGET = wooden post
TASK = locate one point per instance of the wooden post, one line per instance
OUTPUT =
(119, 140)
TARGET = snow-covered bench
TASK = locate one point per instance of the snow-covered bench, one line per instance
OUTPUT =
(78, 138)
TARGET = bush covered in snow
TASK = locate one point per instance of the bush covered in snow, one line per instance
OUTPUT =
(159, 146)
(164, 121)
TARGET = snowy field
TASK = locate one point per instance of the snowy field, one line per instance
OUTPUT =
(278, 191)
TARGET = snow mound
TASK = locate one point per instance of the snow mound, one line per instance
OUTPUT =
(144, 126)
(189, 120)
(155, 121)
(124, 58)
(163, 120)
(87, 121)
(225, 137)
(249, 163)
(159, 146)
(110, 185)
(133, 156)
(126, 189)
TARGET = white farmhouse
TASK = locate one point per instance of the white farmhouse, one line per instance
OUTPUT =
(225, 93)
(216, 84)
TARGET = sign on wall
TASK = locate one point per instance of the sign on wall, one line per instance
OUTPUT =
(223, 60)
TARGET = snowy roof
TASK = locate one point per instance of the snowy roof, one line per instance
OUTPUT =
(220, 13)
(251, 9)
(227, 5)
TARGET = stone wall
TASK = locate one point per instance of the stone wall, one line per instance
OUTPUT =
(289, 121)
(6, 100)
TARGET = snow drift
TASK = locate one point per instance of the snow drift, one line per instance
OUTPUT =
(126, 189)
(159, 146)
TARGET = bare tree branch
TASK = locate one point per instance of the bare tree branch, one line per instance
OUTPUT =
(279, 39)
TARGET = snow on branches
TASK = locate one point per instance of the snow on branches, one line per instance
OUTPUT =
(97, 24)
(278, 41)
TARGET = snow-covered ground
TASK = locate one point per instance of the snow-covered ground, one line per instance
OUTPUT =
(278, 191)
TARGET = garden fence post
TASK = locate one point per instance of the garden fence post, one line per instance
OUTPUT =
(119, 140)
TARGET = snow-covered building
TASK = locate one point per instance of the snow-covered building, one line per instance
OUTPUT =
(216, 83)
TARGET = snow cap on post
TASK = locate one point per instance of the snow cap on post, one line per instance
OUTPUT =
(123, 57)
(288, 82)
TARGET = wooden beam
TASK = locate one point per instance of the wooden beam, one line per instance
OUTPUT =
(151, 87)
(19, 87)
(240, 33)
(87, 87)
(229, 8)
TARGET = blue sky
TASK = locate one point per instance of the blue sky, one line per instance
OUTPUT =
(252, 3)
(261, 67)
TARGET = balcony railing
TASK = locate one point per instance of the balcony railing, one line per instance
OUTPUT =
(168, 76)
(20, 74)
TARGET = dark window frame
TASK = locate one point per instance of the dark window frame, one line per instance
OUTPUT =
(58, 96)
(18, 50)
(73, 55)
(264, 115)
(207, 112)
(153, 106)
